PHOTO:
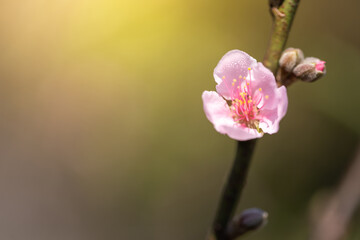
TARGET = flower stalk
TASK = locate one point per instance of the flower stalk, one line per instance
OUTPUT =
(280, 32)
(233, 188)
(283, 18)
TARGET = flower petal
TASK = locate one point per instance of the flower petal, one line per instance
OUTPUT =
(263, 78)
(232, 65)
(283, 104)
(217, 110)
(241, 133)
(271, 117)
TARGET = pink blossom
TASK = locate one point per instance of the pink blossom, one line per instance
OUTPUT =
(247, 103)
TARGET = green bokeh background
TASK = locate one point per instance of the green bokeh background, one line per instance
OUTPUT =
(103, 135)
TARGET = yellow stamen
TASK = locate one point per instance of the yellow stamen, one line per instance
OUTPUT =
(243, 98)
(260, 89)
(223, 77)
(249, 68)
(266, 96)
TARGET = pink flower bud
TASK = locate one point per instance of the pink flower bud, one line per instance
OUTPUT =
(310, 70)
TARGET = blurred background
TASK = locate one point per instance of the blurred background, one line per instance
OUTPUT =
(103, 135)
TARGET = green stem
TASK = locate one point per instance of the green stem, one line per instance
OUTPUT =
(280, 33)
(237, 178)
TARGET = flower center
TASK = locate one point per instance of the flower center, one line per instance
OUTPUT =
(245, 106)
(245, 111)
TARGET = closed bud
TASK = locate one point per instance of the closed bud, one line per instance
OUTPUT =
(290, 58)
(310, 69)
(249, 219)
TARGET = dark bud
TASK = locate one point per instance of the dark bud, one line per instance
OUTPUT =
(249, 220)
